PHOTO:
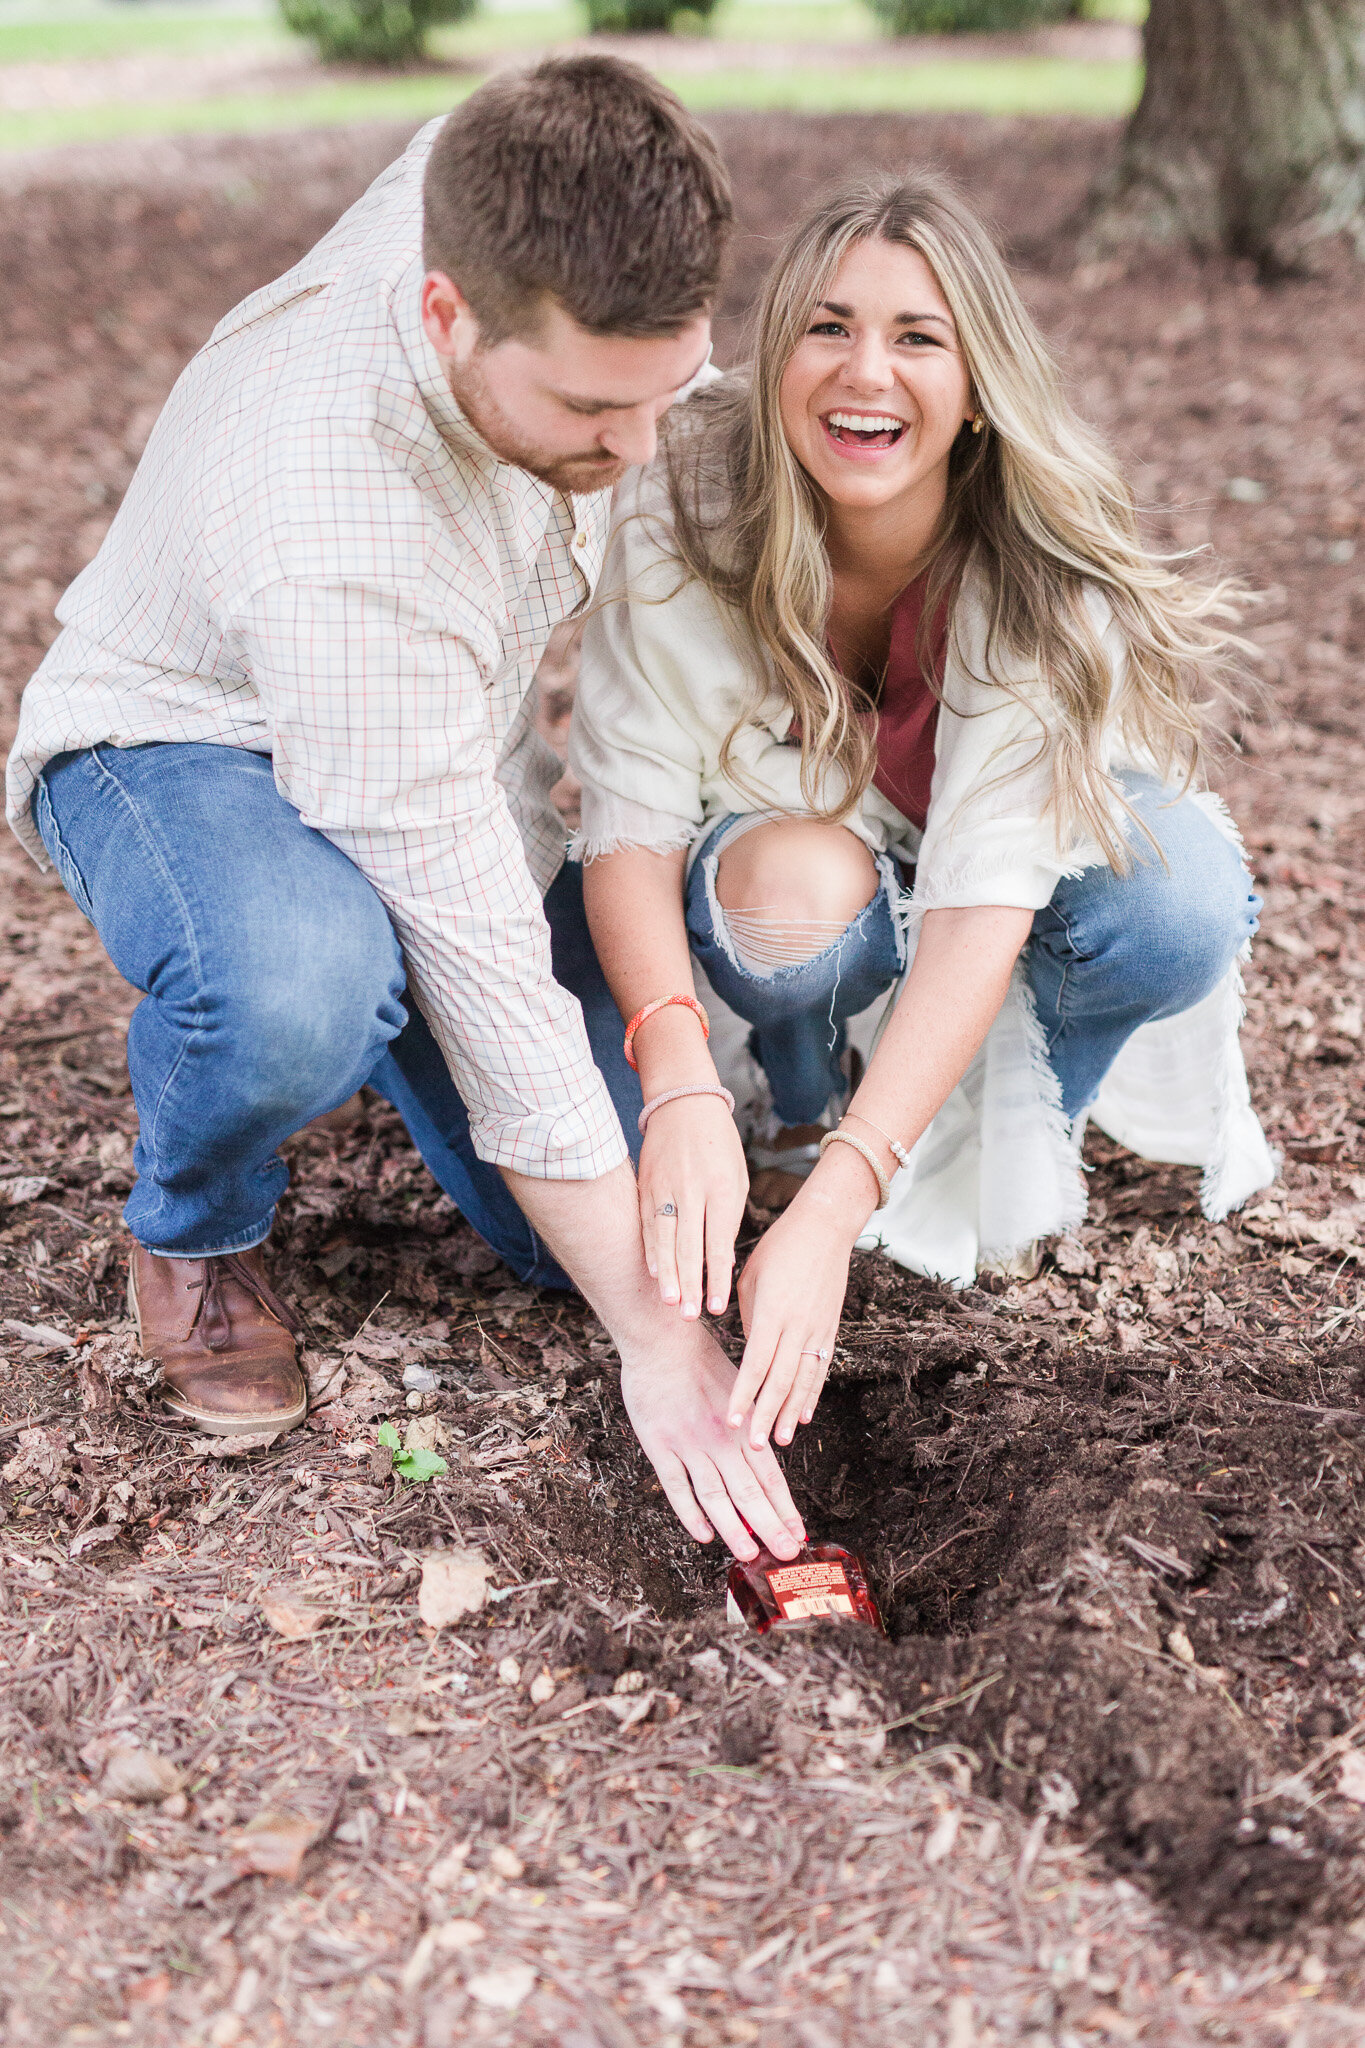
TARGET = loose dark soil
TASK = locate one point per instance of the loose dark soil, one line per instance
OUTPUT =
(1114, 1514)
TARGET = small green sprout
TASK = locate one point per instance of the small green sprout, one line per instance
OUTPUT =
(414, 1466)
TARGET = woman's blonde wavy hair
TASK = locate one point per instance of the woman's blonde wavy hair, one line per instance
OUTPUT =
(1036, 509)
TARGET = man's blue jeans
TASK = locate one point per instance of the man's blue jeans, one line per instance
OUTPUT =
(274, 988)
(1108, 953)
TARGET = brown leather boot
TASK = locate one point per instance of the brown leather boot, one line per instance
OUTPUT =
(224, 1338)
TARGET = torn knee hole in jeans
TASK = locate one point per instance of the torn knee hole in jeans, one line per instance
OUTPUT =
(763, 941)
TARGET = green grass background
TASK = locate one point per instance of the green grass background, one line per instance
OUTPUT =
(67, 31)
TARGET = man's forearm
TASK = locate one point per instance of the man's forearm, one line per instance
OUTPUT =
(593, 1229)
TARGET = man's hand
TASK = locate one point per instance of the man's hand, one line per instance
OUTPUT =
(714, 1480)
(676, 1381)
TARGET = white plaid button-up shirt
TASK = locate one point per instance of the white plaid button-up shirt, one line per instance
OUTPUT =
(319, 559)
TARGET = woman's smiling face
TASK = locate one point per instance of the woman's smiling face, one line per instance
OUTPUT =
(876, 391)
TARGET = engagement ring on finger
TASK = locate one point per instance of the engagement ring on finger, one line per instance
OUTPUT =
(821, 1355)
(667, 1210)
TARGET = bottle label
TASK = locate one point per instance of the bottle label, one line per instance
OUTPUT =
(805, 1590)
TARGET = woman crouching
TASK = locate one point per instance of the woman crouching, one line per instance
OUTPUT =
(879, 614)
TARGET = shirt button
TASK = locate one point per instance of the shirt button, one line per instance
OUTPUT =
(580, 540)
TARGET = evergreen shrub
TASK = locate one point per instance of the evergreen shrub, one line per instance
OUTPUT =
(645, 17)
(370, 31)
(969, 17)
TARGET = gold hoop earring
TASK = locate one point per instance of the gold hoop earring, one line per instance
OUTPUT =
(978, 422)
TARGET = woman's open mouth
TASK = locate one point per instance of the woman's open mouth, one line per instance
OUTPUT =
(863, 432)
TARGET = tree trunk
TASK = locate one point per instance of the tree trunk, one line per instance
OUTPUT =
(1250, 135)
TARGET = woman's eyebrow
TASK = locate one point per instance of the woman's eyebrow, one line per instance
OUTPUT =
(898, 319)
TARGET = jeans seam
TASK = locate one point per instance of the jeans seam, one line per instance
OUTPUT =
(63, 858)
(149, 844)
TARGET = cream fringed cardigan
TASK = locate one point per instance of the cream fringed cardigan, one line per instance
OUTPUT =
(665, 677)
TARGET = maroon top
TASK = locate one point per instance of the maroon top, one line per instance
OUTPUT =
(908, 709)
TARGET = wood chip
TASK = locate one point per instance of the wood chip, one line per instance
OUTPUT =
(1351, 1776)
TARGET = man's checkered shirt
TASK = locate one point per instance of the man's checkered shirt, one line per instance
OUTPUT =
(320, 560)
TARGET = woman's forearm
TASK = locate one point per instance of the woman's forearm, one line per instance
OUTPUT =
(634, 902)
(954, 990)
(692, 1179)
(792, 1288)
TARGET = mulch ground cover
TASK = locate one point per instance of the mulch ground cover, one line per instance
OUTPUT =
(1105, 1781)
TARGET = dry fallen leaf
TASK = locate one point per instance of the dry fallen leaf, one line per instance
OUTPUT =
(41, 1455)
(139, 1775)
(504, 1990)
(292, 1618)
(97, 1396)
(275, 1843)
(1351, 1776)
(454, 1583)
(237, 1446)
(326, 1378)
(1069, 1255)
(425, 1433)
(91, 1539)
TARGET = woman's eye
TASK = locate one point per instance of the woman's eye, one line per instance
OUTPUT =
(922, 340)
(828, 327)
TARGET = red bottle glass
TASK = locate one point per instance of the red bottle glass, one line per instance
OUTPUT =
(823, 1580)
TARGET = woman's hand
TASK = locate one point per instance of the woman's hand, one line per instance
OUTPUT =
(791, 1296)
(693, 1183)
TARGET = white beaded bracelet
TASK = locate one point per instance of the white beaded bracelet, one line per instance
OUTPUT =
(842, 1137)
(897, 1150)
(676, 1094)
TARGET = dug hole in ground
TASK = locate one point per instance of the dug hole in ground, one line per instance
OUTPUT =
(1104, 1780)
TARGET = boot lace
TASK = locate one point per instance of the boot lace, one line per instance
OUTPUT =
(214, 1320)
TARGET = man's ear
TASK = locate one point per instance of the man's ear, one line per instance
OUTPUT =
(448, 319)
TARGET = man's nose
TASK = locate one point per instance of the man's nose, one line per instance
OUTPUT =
(633, 437)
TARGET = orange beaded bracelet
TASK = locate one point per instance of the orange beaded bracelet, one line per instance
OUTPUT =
(663, 1003)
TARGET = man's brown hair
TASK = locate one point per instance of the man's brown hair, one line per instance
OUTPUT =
(583, 181)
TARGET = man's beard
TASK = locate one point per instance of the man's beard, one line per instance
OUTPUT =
(591, 470)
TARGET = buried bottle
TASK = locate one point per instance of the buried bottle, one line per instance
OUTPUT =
(824, 1581)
